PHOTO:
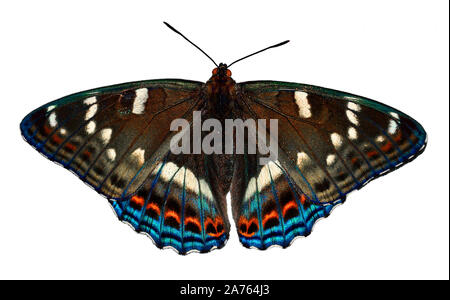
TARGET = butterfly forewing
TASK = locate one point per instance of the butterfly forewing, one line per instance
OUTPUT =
(109, 134)
(334, 142)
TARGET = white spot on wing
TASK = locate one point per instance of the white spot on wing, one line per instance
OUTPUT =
(380, 139)
(352, 133)
(395, 115)
(111, 154)
(352, 117)
(52, 119)
(50, 108)
(168, 171)
(204, 188)
(392, 127)
(251, 189)
(139, 101)
(331, 159)
(268, 172)
(178, 179)
(304, 109)
(353, 106)
(336, 139)
(275, 171)
(63, 131)
(138, 154)
(302, 158)
(92, 110)
(105, 135)
(90, 127)
(90, 100)
(191, 182)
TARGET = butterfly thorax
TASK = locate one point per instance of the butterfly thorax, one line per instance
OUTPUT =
(220, 92)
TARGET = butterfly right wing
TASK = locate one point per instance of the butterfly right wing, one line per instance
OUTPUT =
(334, 142)
(329, 144)
(268, 206)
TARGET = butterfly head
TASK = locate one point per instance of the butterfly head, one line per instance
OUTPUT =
(222, 71)
(221, 80)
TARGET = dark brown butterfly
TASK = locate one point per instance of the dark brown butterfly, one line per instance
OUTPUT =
(117, 140)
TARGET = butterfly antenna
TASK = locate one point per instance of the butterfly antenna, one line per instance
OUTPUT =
(170, 26)
(274, 46)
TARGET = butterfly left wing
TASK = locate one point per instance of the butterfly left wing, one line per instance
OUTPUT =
(330, 143)
(117, 140)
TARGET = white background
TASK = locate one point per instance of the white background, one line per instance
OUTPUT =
(397, 52)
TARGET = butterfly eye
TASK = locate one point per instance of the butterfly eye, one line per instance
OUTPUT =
(228, 73)
(215, 71)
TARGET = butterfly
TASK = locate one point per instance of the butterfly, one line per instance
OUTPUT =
(117, 140)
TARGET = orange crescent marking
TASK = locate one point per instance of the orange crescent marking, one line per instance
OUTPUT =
(273, 214)
(291, 204)
(194, 221)
(173, 214)
(138, 200)
(154, 207)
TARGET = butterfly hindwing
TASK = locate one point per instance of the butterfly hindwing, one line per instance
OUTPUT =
(177, 206)
(269, 207)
